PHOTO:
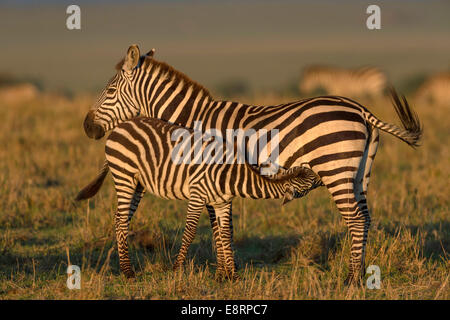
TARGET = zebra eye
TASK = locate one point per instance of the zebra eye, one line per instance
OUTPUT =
(111, 91)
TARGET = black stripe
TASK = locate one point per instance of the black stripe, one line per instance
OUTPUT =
(323, 141)
(336, 171)
(335, 156)
(319, 118)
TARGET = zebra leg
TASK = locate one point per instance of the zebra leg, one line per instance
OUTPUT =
(194, 210)
(128, 199)
(224, 213)
(217, 239)
(372, 151)
(362, 216)
(232, 235)
(345, 183)
(355, 213)
(363, 178)
(359, 228)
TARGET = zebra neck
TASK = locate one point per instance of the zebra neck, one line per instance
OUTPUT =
(172, 103)
(180, 103)
(265, 188)
(216, 114)
(168, 95)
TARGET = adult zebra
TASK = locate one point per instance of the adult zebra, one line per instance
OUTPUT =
(142, 155)
(336, 136)
(364, 81)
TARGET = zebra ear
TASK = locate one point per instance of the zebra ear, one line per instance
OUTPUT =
(288, 195)
(150, 53)
(132, 58)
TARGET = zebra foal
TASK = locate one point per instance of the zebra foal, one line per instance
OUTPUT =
(139, 154)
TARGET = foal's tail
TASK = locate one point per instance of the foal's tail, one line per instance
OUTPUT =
(92, 188)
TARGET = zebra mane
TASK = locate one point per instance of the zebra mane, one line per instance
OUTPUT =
(171, 71)
(148, 61)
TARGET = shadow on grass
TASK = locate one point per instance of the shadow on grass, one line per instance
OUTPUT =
(435, 238)
(273, 251)
(162, 246)
(150, 246)
(266, 250)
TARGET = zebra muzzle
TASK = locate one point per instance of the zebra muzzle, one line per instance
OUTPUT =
(93, 130)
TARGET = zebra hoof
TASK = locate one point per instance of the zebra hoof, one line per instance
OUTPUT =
(129, 274)
(349, 280)
(353, 279)
(177, 266)
(230, 276)
(236, 277)
(218, 277)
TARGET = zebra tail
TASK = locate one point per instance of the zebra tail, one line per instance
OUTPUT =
(412, 128)
(92, 188)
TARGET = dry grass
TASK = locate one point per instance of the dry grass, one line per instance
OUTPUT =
(296, 252)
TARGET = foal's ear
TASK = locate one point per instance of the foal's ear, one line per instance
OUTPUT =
(288, 195)
(132, 58)
(150, 53)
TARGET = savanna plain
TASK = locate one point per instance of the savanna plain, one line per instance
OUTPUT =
(298, 251)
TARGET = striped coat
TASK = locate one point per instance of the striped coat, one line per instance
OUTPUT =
(140, 155)
(336, 136)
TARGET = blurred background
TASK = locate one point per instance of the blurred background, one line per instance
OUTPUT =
(228, 46)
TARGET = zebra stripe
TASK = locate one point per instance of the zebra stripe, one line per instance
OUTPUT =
(139, 156)
(336, 136)
(365, 81)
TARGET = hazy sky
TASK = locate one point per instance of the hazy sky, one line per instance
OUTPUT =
(266, 43)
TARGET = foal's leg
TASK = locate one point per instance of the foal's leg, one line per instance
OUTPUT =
(194, 210)
(128, 198)
(217, 239)
(223, 212)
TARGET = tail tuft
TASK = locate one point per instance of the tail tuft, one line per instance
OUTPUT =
(409, 119)
(92, 188)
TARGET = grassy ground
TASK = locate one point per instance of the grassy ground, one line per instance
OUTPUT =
(299, 251)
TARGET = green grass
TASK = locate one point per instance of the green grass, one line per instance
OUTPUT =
(299, 251)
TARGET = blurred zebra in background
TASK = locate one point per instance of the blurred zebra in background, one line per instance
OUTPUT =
(365, 81)
(140, 154)
(436, 90)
